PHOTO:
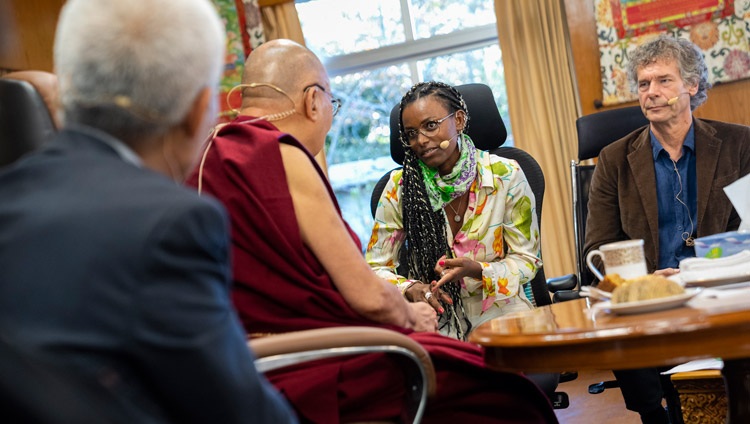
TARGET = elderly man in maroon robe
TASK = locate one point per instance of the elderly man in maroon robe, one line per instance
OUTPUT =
(298, 266)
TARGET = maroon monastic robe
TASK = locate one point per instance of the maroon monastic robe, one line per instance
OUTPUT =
(280, 286)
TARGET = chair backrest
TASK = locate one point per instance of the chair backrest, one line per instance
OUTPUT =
(595, 132)
(535, 177)
(25, 119)
(487, 130)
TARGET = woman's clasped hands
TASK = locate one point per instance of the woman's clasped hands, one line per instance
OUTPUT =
(448, 270)
(428, 293)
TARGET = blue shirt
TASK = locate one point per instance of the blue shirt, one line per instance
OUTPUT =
(675, 182)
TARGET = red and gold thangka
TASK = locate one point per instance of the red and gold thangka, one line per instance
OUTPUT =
(638, 17)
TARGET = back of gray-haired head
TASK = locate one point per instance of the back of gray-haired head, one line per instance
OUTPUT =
(685, 54)
(133, 68)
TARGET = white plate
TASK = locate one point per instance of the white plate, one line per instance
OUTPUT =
(652, 305)
(709, 281)
(595, 293)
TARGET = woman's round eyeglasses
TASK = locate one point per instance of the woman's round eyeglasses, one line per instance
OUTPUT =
(427, 129)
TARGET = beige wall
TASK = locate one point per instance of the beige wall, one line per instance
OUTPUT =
(728, 102)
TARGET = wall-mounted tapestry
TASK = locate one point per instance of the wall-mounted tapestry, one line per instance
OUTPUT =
(244, 32)
(721, 28)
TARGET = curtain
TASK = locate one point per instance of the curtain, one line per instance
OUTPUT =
(280, 20)
(543, 103)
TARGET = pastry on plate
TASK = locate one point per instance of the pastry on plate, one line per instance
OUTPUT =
(610, 282)
(645, 288)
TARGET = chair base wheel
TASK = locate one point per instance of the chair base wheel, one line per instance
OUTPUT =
(560, 400)
(597, 388)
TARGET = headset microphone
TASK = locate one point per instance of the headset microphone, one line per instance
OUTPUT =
(445, 143)
(673, 100)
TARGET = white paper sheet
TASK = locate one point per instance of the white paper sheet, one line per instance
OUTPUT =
(700, 364)
(739, 194)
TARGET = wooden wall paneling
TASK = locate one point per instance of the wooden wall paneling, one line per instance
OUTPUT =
(27, 31)
(729, 102)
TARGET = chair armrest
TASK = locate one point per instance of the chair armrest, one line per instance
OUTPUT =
(320, 343)
(281, 350)
(304, 342)
(564, 282)
(565, 295)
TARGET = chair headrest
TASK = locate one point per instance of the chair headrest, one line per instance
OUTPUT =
(45, 84)
(598, 130)
(25, 121)
(486, 127)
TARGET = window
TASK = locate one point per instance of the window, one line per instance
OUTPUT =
(374, 50)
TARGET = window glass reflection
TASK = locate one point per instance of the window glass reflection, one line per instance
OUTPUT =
(483, 65)
(336, 27)
(446, 16)
(358, 145)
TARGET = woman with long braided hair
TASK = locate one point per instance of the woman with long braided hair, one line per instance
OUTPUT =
(465, 218)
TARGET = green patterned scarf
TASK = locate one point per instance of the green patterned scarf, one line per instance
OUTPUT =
(442, 189)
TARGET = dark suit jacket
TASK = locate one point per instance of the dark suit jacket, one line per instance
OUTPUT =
(116, 272)
(622, 201)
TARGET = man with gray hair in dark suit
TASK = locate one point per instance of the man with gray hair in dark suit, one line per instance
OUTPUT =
(110, 267)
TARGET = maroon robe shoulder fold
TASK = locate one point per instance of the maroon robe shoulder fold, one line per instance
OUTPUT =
(280, 286)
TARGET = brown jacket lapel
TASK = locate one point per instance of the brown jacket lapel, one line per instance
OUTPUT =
(641, 162)
(707, 149)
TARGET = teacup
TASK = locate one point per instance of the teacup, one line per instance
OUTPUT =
(625, 258)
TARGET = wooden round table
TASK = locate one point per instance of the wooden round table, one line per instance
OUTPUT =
(569, 335)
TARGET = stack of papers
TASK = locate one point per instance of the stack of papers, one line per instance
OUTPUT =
(728, 298)
(696, 271)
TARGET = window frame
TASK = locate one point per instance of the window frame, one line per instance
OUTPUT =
(412, 51)
(409, 54)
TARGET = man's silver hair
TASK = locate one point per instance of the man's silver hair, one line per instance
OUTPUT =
(688, 57)
(132, 68)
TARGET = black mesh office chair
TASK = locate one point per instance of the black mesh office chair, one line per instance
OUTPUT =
(487, 130)
(25, 120)
(595, 132)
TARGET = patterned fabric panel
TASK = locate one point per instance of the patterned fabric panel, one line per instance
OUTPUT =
(721, 28)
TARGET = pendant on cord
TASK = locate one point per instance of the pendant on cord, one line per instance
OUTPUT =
(688, 239)
(457, 218)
